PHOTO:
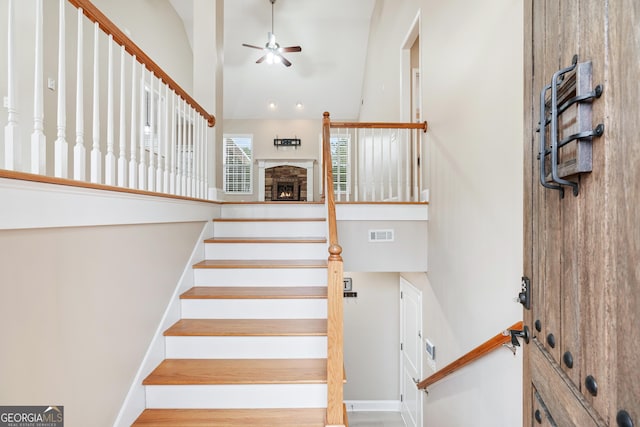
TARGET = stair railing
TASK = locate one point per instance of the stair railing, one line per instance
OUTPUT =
(508, 337)
(146, 133)
(335, 332)
(377, 161)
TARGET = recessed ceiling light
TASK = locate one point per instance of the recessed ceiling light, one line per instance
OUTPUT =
(273, 105)
(299, 105)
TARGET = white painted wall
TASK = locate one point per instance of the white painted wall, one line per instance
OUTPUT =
(472, 98)
(79, 307)
(372, 337)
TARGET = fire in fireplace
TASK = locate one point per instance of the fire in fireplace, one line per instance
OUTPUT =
(286, 191)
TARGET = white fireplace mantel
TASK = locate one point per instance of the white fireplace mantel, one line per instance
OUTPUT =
(270, 163)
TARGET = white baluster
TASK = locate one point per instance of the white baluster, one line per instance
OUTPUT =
(180, 126)
(183, 150)
(407, 151)
(381, 163)
(11, 146)
(96, 155)
(151, 170)
(79, 151)
(195, 156)
(122, 158)
(167, 136)
(133, 164)
(201, 158)
(398, 152)
(61, 148)
(205, 179)
(160, 127)
(110, 160)
(355, 169)
(173, 154)
(190, 151)
(390, 157)
(142, 166)
(416, 169)
(38, 140)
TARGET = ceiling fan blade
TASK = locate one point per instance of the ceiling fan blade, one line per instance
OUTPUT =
(285, 61)
(291, 49)
(261, 59)
(252, 46)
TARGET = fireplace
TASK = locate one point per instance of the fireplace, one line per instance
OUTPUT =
(285, 183)
(285, 190)
(272, 170)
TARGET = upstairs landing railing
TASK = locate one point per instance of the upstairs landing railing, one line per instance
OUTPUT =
(377, 162)
(144, 131)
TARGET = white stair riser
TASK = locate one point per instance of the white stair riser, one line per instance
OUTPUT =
(266, 251)
(303, 347)
(270, 229)
(274, 211)
(260, 276)
(254, 308)
(237, 396)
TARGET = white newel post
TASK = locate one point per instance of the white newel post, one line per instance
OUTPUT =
(79, 152)
(122, 150)
(11, 147)
(38, 140)
(110, 159)
(96, 155)
(133, 164)
(61, 148)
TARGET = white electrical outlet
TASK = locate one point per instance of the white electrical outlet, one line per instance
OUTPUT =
(51, 83)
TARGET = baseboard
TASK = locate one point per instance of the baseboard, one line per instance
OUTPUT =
(372, 405)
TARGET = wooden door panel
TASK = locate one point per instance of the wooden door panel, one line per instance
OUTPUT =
(541, 415)
(582, 253)
(563, 400)
(623, 126)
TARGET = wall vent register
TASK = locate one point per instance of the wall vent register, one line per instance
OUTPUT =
(381, 235)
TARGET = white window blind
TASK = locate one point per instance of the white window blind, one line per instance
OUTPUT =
(238, 164)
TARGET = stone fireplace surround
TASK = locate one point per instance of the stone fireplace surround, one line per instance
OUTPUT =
(301, 163)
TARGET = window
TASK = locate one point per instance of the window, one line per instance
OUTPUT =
(340, 163)
(237, 164)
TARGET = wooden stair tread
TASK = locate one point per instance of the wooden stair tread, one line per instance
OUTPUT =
(269, 219)
(266, 240)
(238, 371)
(248, 327)
(237, 263)
(288, 417)
(257, 292)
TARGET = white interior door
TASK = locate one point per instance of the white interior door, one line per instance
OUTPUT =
(410, 353)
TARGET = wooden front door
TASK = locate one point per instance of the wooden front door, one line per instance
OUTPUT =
(582, 252)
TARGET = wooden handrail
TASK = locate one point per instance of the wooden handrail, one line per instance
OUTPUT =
(380, 125)
(335, 348)
(95, 15)
(473, 355)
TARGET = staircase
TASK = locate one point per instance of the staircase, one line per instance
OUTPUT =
(251, 345)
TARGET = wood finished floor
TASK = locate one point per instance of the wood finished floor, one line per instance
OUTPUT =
(255, 292)
(248, 327)
(232, 417)
(256, 263)
(238, 371)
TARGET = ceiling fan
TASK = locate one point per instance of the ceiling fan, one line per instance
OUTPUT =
(272, 50)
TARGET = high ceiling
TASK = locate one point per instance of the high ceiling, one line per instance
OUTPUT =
(326, 76)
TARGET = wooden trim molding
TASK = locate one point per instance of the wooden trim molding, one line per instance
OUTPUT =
(95, 15)
(380, 125)
(477, 353)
